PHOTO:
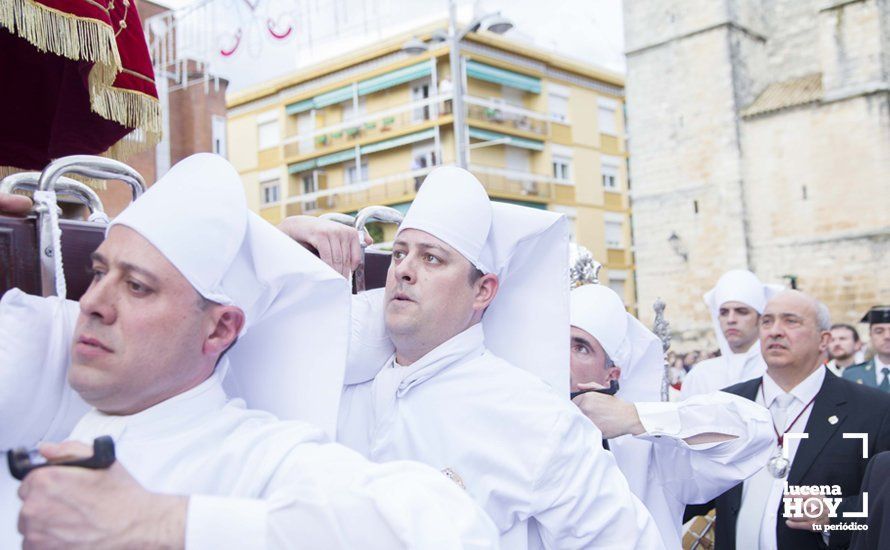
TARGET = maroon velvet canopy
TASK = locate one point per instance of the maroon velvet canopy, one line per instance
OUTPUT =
(76, 78)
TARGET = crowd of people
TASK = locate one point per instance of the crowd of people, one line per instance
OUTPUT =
(474, 402)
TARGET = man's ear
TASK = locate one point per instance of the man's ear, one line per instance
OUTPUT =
(227, 324)
(486, 289)
(614, 373)
(824, 341)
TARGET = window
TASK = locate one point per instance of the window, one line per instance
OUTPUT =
(268, 133)
(562, 168)
(309, 185)
(558, 102)
(611, 173)
(354, 176)
(305, 128)
(614, 237)
(606, 115)
(419, 92)
(422, 156)
(218, 134)
(269, 192)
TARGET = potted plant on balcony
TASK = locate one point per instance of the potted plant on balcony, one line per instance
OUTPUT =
(370, 125)
(352, 133)
(388, 122)
(337, 135)
(322, 140)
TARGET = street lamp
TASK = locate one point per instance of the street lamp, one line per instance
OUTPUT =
(678, 247)
(493, 22)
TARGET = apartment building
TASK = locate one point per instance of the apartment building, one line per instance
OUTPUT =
(364, 129)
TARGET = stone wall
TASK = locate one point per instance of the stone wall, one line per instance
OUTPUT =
(732, 188)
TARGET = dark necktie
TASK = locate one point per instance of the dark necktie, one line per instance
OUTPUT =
(885, 383)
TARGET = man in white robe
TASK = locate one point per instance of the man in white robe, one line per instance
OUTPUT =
(735, 305)
(196, 468)
(472, 282)
(672, 454)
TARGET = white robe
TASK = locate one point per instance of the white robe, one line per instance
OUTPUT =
(667, 474)
(721, 372)
(256, 482)
(522, 450)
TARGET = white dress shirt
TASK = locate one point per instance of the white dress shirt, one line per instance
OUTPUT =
(721, 372)
(757, 520)
(255, 482)
(879, 367)
(525, 453)
(666, 473)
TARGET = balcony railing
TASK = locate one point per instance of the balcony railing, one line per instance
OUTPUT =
(508, 116)
(378, 124)
(381, 123)
(515, 184)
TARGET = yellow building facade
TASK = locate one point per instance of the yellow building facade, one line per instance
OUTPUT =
(364, 129)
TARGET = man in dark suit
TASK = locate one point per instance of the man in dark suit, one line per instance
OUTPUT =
(802, 396)
(876, 371)
(877, 485)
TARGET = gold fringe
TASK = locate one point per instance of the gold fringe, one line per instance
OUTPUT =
(81, 38)
(129, 108)
(64, 34)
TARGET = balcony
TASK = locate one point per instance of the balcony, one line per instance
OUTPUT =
(395, 188)
(498, 114)
(368, 128)
(500, 183)
(519, 185)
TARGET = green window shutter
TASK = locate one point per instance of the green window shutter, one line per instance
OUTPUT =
(488, 73)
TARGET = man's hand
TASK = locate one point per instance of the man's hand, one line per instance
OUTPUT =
(337, 244)
(72, 507)
(611, 415)
(806, 523)
(14, 205)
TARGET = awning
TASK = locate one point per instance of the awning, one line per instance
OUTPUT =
(481, 71)
(394, 78)
(301, 166)
(399, 141)
(369, 86)
(334, 158)
(336, 96)
(488, 135)
(300, 107)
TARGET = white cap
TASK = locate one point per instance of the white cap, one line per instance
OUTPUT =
(528, 249)
(295, 306)
(737, 285)
(599, 311)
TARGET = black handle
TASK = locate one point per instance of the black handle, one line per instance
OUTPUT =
(611, 390)
(22, 461)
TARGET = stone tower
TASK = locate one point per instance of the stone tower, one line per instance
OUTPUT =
(759, 138)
